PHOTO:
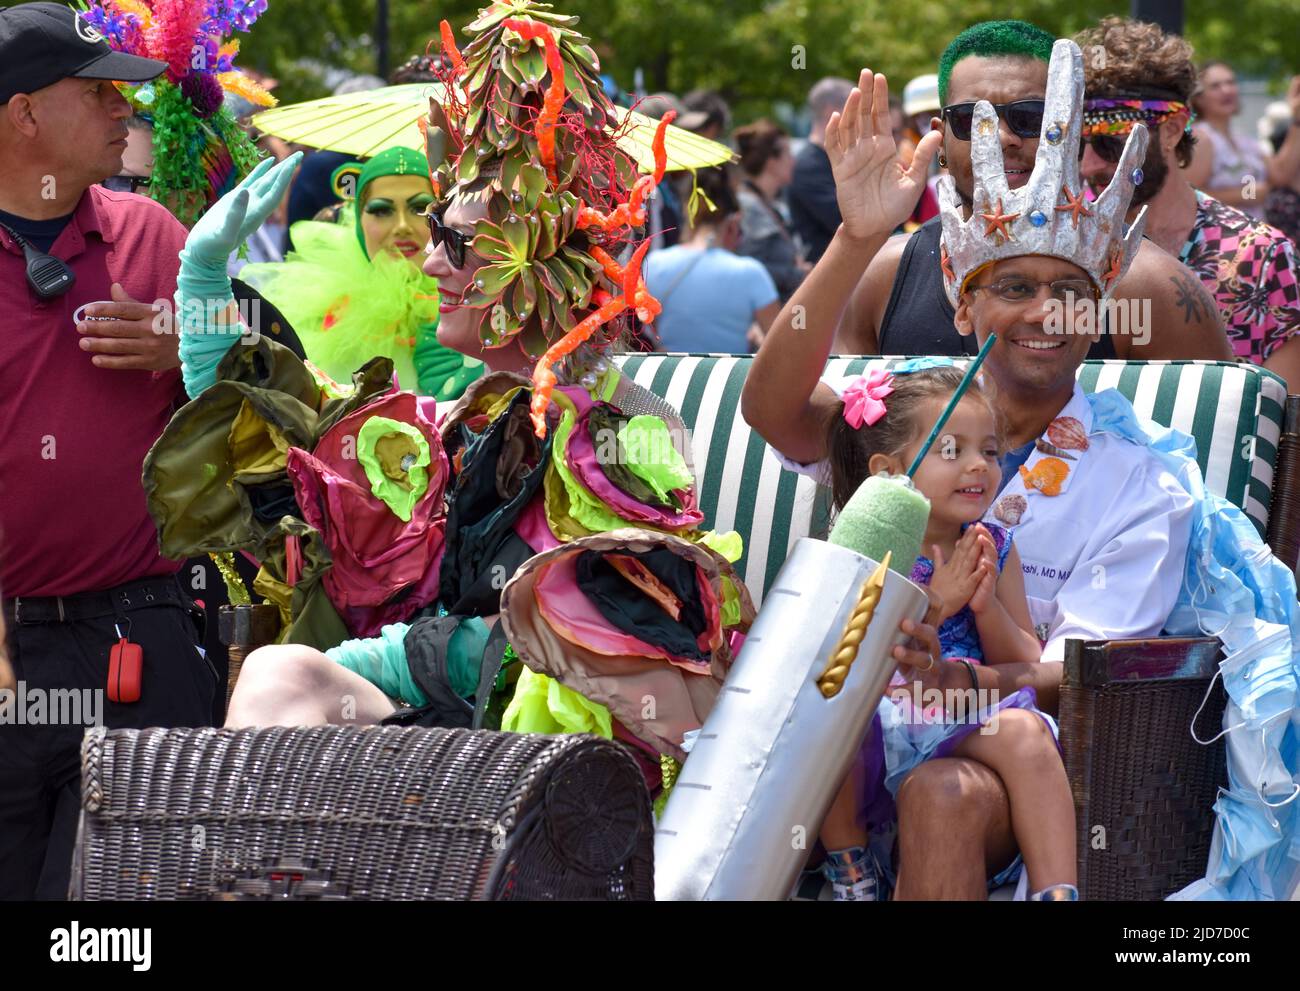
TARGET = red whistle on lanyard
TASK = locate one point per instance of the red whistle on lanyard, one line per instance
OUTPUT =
(125, 671)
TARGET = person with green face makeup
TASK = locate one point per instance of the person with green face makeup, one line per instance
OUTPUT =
(353, 295)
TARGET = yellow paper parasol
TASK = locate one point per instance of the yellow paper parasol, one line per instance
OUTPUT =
(366, 123)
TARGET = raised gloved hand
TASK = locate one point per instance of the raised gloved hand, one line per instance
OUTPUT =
(203, 287)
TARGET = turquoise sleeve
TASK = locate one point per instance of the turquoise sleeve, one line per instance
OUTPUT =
(202, 291)
(381, 661)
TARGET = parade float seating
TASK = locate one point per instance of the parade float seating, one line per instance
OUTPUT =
(1126, 712)
(1127, 706)
(1233, 411)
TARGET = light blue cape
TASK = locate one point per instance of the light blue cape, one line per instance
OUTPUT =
(1235, 589)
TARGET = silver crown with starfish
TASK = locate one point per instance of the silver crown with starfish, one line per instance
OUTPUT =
(1048, 215)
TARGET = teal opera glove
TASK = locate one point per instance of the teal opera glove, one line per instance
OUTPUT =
(203, 287)
(383, 660)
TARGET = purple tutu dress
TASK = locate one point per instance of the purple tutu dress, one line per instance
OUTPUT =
(906, 732)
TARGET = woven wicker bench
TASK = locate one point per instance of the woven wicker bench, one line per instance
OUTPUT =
(1126, 705)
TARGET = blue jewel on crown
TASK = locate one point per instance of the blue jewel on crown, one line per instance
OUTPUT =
(1137, 176)
(1054, 134)
(1038, 218)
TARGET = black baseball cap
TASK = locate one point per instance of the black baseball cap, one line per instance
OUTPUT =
(41, 43)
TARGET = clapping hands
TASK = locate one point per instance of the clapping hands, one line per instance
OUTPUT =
(970, 577)
(875, 188)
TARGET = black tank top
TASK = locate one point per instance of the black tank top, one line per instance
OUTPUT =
(919, 318)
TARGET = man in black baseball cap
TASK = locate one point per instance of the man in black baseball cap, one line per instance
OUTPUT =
(89, 372)
(41, 43)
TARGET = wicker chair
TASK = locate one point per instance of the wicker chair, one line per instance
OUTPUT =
(1127, 706)
(1132, 713)
(360, 813)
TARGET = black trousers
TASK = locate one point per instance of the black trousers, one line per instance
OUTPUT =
(40, 772)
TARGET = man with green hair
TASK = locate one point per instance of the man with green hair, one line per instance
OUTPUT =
(899, 306)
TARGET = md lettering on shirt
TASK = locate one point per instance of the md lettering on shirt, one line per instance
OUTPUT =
(102, 945)
(1058, 572)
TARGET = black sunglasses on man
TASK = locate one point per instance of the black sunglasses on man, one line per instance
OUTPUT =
(1024, 117)
(125, 183)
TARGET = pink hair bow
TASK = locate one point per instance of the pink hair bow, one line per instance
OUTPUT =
(864, 400)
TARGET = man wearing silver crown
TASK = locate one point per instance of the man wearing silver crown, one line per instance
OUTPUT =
(899, 306)
(1104, 508)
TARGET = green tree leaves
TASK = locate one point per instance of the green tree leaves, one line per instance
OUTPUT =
(745, 48)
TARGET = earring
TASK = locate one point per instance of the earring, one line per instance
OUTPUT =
(943, 161)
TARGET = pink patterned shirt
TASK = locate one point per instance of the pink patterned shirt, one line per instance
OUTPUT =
(1250, 269)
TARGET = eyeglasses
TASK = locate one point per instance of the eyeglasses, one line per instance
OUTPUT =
(1024, 117)
(125, 183)
(1014, 289)
(455, 241)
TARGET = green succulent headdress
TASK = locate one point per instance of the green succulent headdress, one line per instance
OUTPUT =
(525, 125)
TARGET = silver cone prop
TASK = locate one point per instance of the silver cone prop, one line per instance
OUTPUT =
(1048, 215)
(751, 796)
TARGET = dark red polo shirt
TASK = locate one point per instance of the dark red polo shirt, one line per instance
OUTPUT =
(73, 436)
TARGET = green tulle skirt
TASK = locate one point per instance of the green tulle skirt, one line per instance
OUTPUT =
(348, 309)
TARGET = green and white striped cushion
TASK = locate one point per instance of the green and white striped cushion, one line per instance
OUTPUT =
(1233, 411)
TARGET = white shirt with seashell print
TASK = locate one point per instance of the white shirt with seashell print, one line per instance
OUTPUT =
(1101, 527)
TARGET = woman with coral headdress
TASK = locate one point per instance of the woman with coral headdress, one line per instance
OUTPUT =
(570, 507)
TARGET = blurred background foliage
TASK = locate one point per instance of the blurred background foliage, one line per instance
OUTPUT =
(763, 55)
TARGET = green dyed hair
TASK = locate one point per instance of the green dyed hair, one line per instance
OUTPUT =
(990, 39)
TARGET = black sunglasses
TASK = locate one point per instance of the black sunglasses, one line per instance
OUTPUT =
(1024, 117)
(455, 241)
(1109, 147)
(125, 183)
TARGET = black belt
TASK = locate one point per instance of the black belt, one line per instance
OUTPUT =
(146, 593)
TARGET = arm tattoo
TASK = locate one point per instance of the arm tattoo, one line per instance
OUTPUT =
(1192, 297)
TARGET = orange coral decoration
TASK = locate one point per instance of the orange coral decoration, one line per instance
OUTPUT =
(635, 293)
(554, 101)
(613, 270)
(544, 375)
(632, 213)
(449, 46)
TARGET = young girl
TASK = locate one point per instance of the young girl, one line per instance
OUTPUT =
(982, 616)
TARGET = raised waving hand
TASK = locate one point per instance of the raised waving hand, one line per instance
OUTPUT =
(876, 189)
